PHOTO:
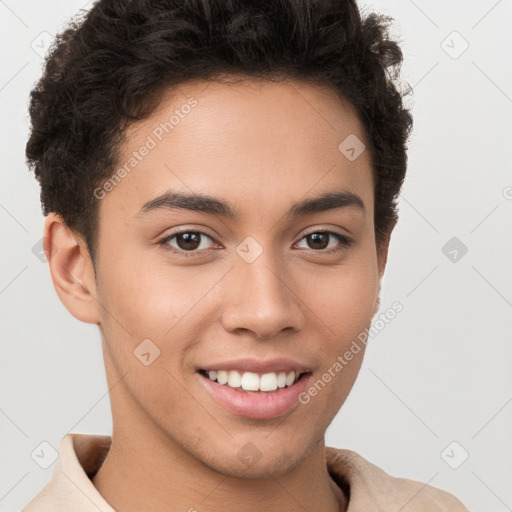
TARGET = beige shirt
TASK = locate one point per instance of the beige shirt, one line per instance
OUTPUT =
(369, 487)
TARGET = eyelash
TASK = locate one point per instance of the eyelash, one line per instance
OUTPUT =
(345, 243)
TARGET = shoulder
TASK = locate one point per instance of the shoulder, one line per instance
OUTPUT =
(70, 487)
(370, 485)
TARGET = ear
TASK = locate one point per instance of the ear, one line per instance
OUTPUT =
(382, 253)
(382, 258)
(71, 269)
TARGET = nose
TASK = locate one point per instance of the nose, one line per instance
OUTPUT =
(261, 299)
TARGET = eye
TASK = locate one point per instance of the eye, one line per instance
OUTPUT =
(319, 241)
(187, 242)
(192, 243)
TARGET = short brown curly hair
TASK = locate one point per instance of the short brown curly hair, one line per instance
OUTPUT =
(110, 66)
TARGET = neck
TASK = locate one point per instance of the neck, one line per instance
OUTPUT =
(142, 471)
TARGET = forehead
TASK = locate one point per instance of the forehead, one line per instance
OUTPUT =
(268, 104)
(243, 138)
(234, 108)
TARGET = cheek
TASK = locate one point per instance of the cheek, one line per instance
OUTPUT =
(353, 303)
(338, 326)
(342, 299)
(343, 303)
(146, 296)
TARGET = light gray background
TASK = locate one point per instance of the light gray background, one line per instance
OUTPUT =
(438, 373)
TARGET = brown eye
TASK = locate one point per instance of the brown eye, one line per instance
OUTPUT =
(319, 241)
(187, 241)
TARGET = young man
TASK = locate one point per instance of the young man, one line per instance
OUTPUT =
(219, 179)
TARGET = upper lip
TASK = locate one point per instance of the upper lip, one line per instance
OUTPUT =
(259, 365)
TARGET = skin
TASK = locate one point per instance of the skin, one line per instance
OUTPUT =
(261, 146)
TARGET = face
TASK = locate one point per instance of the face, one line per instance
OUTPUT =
(245, 287)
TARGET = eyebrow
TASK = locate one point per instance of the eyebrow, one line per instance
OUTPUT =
(210, 205)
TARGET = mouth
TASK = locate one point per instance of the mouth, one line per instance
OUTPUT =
(251, 382)
(254, 394)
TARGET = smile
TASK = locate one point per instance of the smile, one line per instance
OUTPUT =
(250, 381)
(258, 391)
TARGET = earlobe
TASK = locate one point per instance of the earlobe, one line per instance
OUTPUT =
(377, 301)
(382, 256)
(71, 269)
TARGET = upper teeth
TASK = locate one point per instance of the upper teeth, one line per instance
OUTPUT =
(250, 381)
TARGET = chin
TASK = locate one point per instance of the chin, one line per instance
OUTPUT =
(259, 457)
(269, 465)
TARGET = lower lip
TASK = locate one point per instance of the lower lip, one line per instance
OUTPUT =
(257, 406)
